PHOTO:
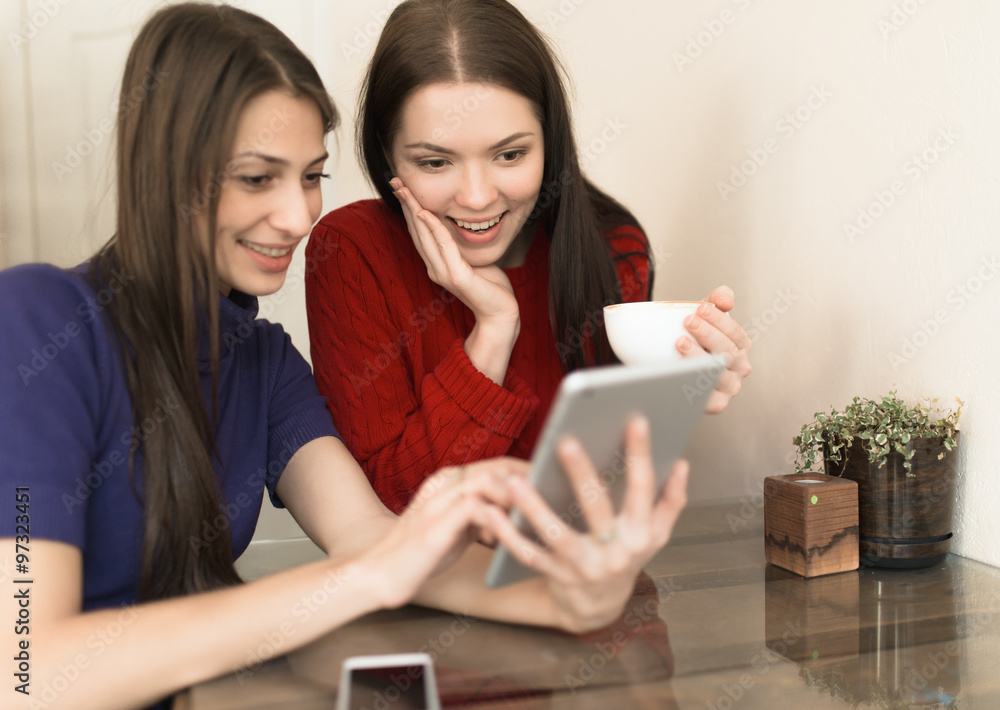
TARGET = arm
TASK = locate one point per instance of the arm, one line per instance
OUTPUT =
(400, 417)
(583, 583)
(128, 657)
(133, 656)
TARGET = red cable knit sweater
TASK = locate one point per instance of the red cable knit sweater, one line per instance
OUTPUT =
(387, 350)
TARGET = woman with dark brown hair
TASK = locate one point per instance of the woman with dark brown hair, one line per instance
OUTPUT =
(144, 410)
(451, 308)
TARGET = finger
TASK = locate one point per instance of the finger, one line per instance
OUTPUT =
(709, 337)
(641, 489)
(520, 547)
(591, 493)
(721, 319)
(423, 237)
(723, 298)
(549, 528)
(454, 264)
(671, 503)
(443, 521)
(717, 402)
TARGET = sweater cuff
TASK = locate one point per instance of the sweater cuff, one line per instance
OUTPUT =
(501, 410)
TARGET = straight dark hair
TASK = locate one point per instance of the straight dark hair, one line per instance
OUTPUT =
(490, 41)
(191, 71)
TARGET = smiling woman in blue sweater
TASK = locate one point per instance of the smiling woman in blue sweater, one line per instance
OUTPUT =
(144, 410)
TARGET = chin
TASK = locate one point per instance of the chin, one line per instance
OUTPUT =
(262, 287)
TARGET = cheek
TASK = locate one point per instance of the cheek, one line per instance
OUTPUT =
(315, 204)
(526, 185)
(431, 191)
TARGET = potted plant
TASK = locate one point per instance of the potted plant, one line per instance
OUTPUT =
(903, 460)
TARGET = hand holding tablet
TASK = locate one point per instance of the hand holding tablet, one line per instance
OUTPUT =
(593, 407)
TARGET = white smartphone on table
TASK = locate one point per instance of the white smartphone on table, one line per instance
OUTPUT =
(594, 406)
(400, 681)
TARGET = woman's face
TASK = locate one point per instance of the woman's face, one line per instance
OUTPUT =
(473, 155)
(270, 197)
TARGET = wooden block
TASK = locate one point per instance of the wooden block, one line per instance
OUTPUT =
(811, 523)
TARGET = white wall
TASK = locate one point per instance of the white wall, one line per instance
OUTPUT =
(672, 97)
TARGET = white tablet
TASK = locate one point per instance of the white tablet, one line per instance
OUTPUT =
(594, 406)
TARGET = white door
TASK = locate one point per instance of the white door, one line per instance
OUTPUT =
(59, 77)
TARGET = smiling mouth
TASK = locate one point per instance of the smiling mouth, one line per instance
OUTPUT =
(478, 227)
(266, 251)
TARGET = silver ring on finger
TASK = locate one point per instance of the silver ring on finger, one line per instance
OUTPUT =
(606, 537)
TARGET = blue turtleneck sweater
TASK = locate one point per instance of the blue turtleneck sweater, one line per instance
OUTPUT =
(66, 421)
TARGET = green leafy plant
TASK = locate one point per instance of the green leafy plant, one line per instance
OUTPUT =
(882, 426)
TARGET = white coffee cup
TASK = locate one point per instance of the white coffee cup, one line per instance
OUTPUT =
(646, 333)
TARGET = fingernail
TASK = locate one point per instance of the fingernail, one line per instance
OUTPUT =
(706, 309)
(691, 322)
(571, 447)
(684, 344)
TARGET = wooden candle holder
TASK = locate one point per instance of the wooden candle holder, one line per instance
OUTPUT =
(811, 523)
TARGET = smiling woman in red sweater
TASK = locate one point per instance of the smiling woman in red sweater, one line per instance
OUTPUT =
(443, 315)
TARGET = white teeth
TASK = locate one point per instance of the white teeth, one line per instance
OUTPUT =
(478, 226)
(266, 251)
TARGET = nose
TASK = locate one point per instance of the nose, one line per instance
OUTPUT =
(294, 210)
(477, 191)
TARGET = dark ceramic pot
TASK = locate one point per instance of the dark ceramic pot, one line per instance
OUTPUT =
(905, 520)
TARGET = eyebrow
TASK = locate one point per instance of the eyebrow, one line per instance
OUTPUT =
(499, 144)
(275, 160)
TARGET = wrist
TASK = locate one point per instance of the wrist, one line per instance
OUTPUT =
(372, 584)
(490, 344)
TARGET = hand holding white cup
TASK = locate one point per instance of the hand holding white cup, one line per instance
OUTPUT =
(646, 333)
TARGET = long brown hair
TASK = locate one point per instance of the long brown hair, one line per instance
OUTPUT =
(490, 41)
(191, 71)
